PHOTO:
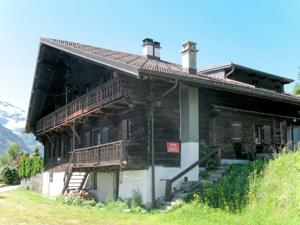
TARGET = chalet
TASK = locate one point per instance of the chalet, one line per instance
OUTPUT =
(112, 121)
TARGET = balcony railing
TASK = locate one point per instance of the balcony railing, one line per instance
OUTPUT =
(98, 97)
(113, 153)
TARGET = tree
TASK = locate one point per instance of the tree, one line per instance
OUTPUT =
(13, 151)
(36, 151)
(297, 89)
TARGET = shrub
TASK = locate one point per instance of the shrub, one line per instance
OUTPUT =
(30, 166)
(137, 198)
(10, 174)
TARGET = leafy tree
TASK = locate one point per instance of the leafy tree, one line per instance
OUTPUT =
(297, 89)
(13, 151)
(36, 151)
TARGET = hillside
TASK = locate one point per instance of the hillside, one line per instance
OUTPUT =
(7, 137)
(14, 118)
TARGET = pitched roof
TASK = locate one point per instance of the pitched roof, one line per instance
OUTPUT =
(134, 64)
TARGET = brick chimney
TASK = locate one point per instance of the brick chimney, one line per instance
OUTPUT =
(189, 57)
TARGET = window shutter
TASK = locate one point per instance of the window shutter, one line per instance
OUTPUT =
(267, 135)
(211, 132)
(125, 129)
(283, 126)
(104, 135)
(237, 132)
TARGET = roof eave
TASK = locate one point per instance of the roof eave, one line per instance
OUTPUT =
(232, 87)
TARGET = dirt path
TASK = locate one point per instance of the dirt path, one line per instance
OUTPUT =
(8, 188)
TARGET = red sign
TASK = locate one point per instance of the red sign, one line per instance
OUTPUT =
(173, 147)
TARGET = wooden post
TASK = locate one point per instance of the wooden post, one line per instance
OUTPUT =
(219, 156)
(168, 192)
(74, 131)
(98, 155)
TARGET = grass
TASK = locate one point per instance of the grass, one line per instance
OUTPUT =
(257, 193)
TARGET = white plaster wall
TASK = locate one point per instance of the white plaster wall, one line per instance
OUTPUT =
(190, 155)
(141, 180)
(55, 187)
(106, 186)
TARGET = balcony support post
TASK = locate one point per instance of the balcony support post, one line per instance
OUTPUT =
(74, 130)
(98, 155)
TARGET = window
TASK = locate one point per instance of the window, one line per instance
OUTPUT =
(278, 89)
(97, 137)
(71, 144)
(95, 181)
(258, 134)
(61, 148)
(263, 134)
(237, 132)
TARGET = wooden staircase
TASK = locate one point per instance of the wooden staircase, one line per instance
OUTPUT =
(211, 179)
(77, 181)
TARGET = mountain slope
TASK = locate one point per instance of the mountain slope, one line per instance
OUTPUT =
(7, 137)
(14, 118)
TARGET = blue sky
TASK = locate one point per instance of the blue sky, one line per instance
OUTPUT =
(260, 34)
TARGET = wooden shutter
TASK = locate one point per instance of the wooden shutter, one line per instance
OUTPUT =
(267, 135)
(125, 129)
(88, 139)
(66, 146)
(283, 126)
(237, 132)
(104, 135)
(211, 132)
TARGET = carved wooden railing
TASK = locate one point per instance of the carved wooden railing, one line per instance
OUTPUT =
(168, 190)
(98, 97)
(113, 153)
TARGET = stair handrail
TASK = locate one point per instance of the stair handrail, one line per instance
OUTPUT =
(168, 189)
(66, 173)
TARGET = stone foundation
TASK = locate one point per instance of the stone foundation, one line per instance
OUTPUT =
(34, 183)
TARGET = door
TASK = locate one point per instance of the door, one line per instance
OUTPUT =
(96, 137)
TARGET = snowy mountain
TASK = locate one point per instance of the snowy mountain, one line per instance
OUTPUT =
(14, 119)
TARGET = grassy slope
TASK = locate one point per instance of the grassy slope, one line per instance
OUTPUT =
(271, 197)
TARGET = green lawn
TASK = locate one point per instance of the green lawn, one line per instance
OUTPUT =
(271, 196)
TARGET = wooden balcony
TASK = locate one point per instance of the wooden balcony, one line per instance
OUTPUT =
(113, 153)
(96, 98)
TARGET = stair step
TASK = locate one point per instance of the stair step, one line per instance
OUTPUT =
(220, 171)
(165, 207)
(224, 167)
(214, 179)
(170, 203)
(176, 199)
(215, 175)
(181, 194)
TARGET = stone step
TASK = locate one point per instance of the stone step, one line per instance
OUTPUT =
(180, 194)
(215, 175)
(214, 179)
(224, 167)
(203, 184)
(163, 207)
(176, 199)
(219, 171)
(170, 203)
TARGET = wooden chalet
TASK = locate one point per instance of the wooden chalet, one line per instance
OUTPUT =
(113, 122)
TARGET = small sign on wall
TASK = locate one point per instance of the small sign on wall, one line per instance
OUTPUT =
(173, 147)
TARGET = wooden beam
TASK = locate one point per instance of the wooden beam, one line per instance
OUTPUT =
(76, 134)
(52, 67)
(41, 140)
(50, 139)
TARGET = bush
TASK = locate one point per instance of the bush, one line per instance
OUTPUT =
(10, 174)
(30, 166)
